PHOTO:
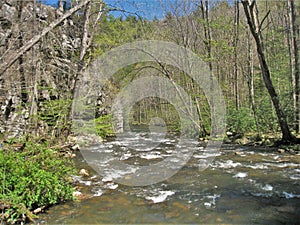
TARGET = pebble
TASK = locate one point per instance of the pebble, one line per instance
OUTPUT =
(281, 150)
(84, 172)
(239, 153)
(38, 210)
(77, 193)
(75, 147)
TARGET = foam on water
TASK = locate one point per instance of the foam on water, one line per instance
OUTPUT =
(161, 197)
(241, 175)
(260, 166)
(97, 191)
(150, 156)
(267, 187)
(212, 202)
(206, 155)
(290, 195)
(226, 164)
(111, 186)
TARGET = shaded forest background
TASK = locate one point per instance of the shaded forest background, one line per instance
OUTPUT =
(44, 51)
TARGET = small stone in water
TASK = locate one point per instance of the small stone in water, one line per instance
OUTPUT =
(83, 172)
(38, 210)
(77, 193)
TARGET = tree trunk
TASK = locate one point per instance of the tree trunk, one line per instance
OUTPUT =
(236, 40)
(255, 28)
(250, 81)
(86, 41)
(295, 69)
(13, 56)
(24, 95)
(204, 7)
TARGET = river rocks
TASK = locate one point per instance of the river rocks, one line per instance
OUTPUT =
(77, 193)
(75, 147)
(242, 140)
(239, 153)
(281, 150)
(86, 140)
(84, 172)
(38, 210)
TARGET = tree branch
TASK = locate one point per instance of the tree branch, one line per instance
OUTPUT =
(14, 55)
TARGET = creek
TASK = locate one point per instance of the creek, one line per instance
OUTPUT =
(242, 185)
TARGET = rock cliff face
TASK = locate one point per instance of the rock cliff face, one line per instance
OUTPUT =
(35, 89)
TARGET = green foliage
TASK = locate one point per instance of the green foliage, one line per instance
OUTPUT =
(55, 114)
(36, 177)
(54, 111)
(104, 126)
(240, 121)
(117, 31)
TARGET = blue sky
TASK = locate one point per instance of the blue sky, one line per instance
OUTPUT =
(145, 8)
(148, 9)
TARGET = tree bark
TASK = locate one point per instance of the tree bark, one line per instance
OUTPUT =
(236, 40)
(255, 28)
(13, 56)
(295, 69)
(24, 95)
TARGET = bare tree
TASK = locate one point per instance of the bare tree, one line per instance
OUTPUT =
(255, 26)
(295, 69)
(12, 56)
(236, 40)
(88, 32)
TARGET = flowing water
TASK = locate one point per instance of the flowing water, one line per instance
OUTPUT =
(243, 185)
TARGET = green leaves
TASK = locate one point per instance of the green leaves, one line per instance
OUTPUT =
(33, 178)
(104, 127)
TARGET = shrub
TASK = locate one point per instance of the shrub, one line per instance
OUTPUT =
(36, 177)
(241, 121)
(104, 126)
